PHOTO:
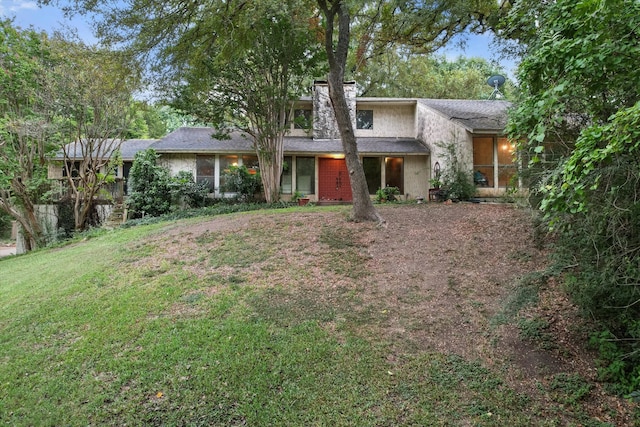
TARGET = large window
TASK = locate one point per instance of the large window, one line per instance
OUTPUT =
(206, 171)
(286, 179)
(372, 172)
(493, 160)
(364, 119)
(483, 161)
(306, 175)
(506, 165)
(394, 172)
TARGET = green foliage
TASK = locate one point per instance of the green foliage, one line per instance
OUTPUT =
(456, 176)
(26, 131)
(387, 194)
(392, 74)
(240, 180)
(579, 122)
(149, 186)
(187, 193)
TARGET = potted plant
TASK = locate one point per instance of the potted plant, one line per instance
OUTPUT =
(435, 183)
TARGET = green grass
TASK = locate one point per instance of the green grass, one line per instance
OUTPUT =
(107, 332)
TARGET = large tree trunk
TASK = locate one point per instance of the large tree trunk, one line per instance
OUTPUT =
(363, 209)
(271, 169)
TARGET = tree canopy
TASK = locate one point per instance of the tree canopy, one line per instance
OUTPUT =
(26, 129)
(578, 121)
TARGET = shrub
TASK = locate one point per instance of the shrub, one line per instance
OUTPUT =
(246, 183)
(457, 178)
(149, 186)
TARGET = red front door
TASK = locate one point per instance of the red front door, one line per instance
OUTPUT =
(334, 181)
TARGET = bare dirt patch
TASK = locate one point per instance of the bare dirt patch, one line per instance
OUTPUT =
(436, 278)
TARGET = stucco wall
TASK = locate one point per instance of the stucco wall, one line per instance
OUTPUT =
(436, 130)
(416, 176)
(179, 162)
(389, 120)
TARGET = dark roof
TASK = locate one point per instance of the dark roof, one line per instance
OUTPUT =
(200, 140)
(195, 140)
(128, 148)
(474, 115)
(366, 146)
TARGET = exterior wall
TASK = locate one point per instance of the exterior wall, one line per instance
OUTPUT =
(416, 176)
(435, 130)
(324, 120)
(179, 162)
(54, 170)
(389, 120)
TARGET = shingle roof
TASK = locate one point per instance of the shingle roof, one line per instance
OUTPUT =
(474, 115)
(194, 140)
(200, 140)
(128, 148)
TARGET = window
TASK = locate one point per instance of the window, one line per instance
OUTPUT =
(74, 168)
(372, 172)
(206, 171)
(306, 175)
(302, 119)
(251, 163)
(364, 119)
(493, 157)
(394, 172)
(285, 180)
(225, 163)
(506, 166)
(483, 161)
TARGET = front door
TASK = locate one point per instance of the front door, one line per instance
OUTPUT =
(334, 181)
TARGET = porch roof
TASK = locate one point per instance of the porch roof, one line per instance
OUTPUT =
(200, 140)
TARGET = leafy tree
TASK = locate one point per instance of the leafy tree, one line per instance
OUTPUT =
(380, 25)
(392, 74)
(579, 121)
(236, 64)
(25, 131)
(90, 90)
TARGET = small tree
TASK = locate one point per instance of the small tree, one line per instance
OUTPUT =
(90, 90)
(149, 186)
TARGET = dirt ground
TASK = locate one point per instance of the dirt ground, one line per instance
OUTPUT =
(443, 275)
(450, 270)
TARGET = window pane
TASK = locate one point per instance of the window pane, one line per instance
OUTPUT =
(250, 162)
(225, 163)
(372, 172)
(483, 161)
(483, 151)
(285, 180)
(305, 175)
(364, 119)
(394, 172)
(302, 119)
(205, 170)
(505, 152)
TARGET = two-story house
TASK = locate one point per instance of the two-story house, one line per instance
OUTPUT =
(401, 143)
